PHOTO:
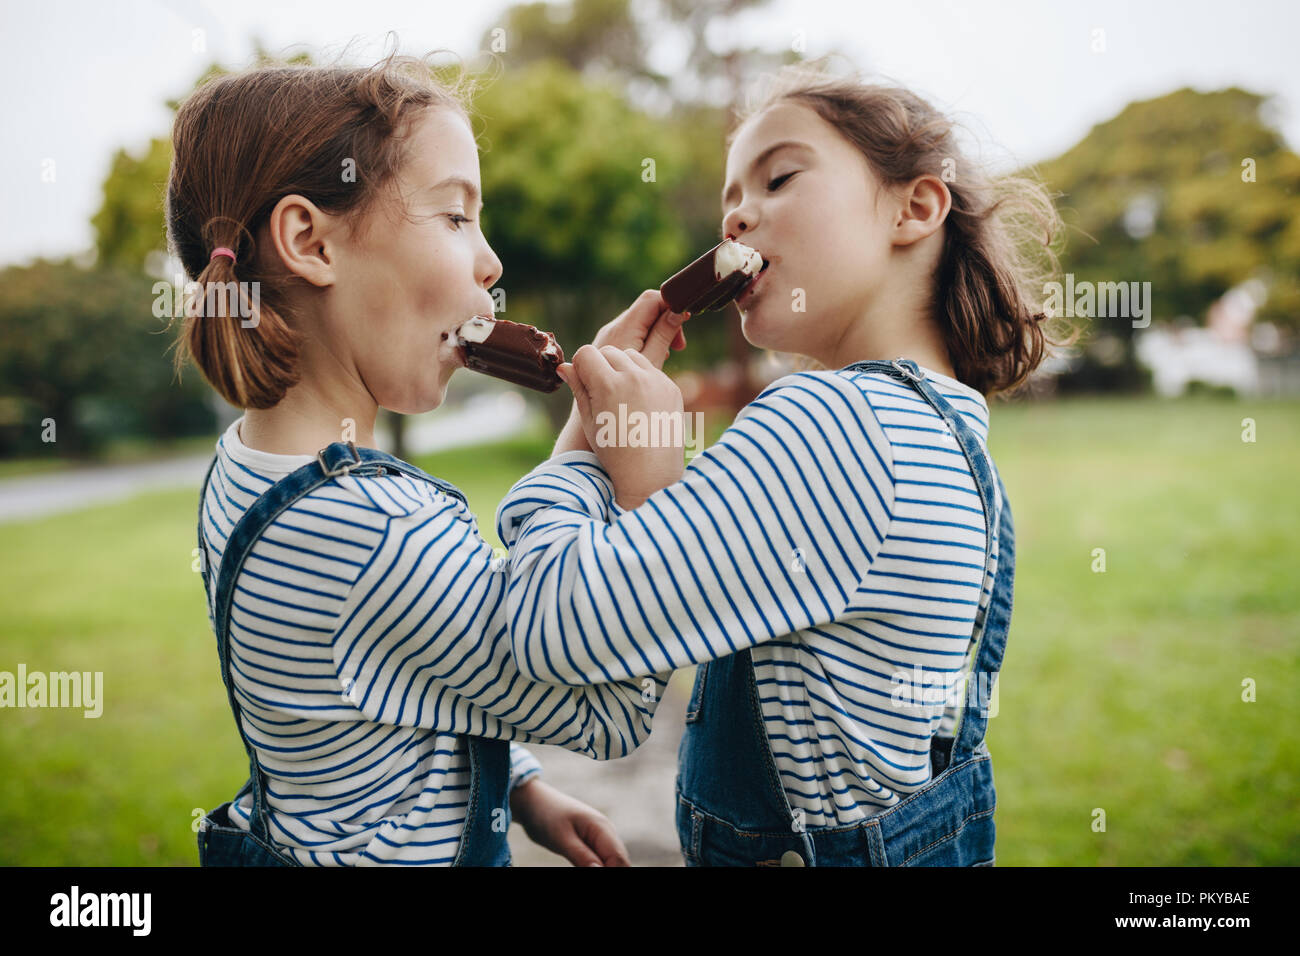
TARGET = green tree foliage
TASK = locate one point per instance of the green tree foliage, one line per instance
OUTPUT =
(1162, 193)
(83, 347)
(599, 34)
(603, 48)
(580, 191)
(581, 196)
(129, 223)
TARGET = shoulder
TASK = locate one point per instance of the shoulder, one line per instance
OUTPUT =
(822, 399)
(860, 389)
(810, 444)
(394, 495)
(396, 514)
(350, 509)
(821, 420)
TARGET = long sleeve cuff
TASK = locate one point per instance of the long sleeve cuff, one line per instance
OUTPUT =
(523, 765)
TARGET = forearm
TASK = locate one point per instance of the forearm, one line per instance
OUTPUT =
(769, 532)
(523, 766)
(572, 437)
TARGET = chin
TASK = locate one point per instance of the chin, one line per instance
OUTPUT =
(422, 401)
(434, 400)
(765, 334)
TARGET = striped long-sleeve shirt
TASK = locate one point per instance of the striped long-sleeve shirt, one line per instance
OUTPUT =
(367, 632)
(835, 529)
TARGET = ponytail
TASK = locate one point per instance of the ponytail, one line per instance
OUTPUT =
(985, 281)
(999, 237)
(245, 346)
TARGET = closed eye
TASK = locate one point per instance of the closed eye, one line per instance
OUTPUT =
(458, 219)
(771, 187)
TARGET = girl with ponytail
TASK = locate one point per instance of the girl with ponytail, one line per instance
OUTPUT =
(329, 218)
(839, 565)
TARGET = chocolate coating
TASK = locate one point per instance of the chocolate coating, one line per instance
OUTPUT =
(516, 353)
(698, 288)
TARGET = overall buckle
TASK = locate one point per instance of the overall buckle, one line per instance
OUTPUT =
(916, 376)
(344, 467)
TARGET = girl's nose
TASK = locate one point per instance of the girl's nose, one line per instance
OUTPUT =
(738, 221)
(493, 271)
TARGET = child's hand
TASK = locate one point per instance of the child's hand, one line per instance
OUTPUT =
(631, 417)
(582, 835)
(646, 326)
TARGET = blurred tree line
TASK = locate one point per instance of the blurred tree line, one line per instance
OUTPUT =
(601, 177)
(80, 347)
(1192, 192)
(600, 174)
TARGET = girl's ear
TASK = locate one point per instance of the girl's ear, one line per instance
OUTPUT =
(923, 206)
(302, 235)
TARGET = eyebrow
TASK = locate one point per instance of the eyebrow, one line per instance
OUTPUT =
(762, 158)
(460, 182)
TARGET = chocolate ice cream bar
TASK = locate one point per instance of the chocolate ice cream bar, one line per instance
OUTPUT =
(511, 351)
(714, 279)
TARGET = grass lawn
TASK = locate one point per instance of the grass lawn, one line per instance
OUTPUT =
(1121, 693)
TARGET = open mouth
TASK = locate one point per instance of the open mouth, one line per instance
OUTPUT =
(754, 281)
(449, 350)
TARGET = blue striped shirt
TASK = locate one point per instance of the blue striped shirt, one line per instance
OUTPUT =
(367, 632)
(835, 528)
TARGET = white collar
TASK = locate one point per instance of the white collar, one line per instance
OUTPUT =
(259, 461)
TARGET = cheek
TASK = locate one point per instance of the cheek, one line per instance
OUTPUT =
(853, 256)
(408, 379)
(431, 273)
(413, 260)
(421, 291)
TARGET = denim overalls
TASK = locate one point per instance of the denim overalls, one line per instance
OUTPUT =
(220, 842)
(731, 807)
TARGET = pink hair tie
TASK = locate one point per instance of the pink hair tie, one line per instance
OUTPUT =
(222, 251)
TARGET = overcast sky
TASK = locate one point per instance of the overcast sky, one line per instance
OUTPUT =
(83, 78)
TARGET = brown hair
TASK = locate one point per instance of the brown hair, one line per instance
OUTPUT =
(999, 235)
(243, 141)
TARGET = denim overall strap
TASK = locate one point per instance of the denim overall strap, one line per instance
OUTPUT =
(487, 816)
(992, 625)
(489, 760)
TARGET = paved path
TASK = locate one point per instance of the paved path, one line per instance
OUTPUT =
(635, 792)
(35, 496)
(484, 417)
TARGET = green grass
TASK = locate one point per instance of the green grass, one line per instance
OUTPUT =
(1121, 690)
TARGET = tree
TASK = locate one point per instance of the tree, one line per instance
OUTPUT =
(129, 224)
(580, 193)
(603, 47)
(600, 36)
(1193, 192)
(84, 348)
